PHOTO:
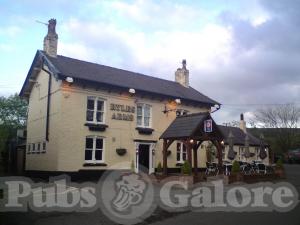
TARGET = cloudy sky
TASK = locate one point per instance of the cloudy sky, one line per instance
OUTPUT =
(244, 54)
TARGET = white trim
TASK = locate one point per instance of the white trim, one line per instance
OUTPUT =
(93, 160)
(181, 152)
(96, 99)
(151, 156)
(143, 115)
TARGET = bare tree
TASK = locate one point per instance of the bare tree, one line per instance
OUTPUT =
(233, 123)
(284, 119)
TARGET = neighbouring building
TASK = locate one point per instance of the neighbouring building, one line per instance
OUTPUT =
(87, 116)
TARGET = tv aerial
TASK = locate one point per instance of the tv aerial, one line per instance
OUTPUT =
(41, 22)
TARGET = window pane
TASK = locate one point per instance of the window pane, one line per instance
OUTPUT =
(89, 143)
(139, 110)
(89, 115)
(184, 156)
(99, 143)
(146, 122)
(100, 106)
(147, 111)
(90, 104)
(88, 154)
(99, 116)
(184, 148)
(178, 156)
(178, 147)
(139, 121)
(44, 145)
(98, 154)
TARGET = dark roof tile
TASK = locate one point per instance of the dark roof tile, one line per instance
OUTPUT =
(101, 74)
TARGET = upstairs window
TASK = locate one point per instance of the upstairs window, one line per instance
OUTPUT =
(95, 110)
(144, 112)
(94, 149)
(181, 155)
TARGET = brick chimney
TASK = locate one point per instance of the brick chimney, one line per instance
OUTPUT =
(243, 124)
(50, 41)
(182, 75)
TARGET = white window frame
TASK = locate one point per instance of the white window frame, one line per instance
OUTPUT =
(181, 153)
(241, 152)
(143, 115)
(93, 160)
(38, 147)
(33, 148)
(96, 99)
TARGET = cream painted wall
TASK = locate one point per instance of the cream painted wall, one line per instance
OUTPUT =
(119, 134)
(36, 124)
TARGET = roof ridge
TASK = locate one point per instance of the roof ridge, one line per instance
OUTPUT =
(137, 73)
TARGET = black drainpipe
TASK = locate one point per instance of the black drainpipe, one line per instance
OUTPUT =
(48, 103)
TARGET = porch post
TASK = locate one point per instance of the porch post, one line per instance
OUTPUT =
(189, 153)
(220, 151)
(195, 162)
(165, 166)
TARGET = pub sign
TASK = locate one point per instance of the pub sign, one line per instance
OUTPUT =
(208, 126)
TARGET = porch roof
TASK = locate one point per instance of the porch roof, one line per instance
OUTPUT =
(190, 126)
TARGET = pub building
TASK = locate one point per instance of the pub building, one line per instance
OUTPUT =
(84, 116)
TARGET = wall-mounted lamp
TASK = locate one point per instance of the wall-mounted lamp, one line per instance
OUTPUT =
(177, 101)
(191, 141)
(131, 91)
(70, 80)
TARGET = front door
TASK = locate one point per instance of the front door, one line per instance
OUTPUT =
(144, 153)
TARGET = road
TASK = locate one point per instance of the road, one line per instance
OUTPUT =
(163, 218)
(249, 218)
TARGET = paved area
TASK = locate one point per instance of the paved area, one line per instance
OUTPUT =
(160, 217)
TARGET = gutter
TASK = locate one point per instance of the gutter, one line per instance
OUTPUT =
(48, 103)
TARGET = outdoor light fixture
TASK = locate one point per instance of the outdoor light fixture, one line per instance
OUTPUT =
(191, 141)
(131, 91)
(69, 80)
(222, 142)
(177, 101)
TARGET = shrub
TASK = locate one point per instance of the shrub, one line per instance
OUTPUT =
(186, 168)
(279, 163)
(159, 167)
(235, 167)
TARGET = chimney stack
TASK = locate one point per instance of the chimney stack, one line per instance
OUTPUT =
(243, 124)
(50, 41)
(182, 75)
